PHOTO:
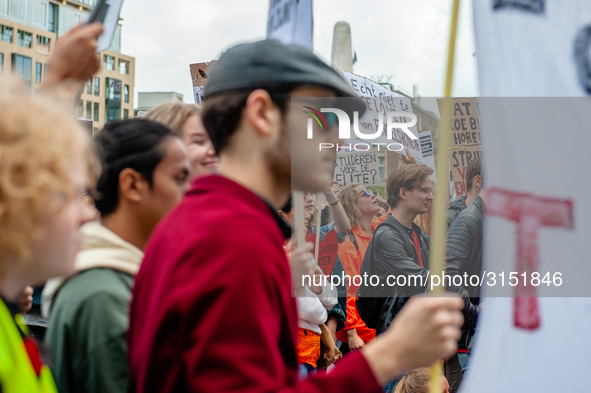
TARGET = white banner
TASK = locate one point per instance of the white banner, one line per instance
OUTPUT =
(357, 167)
(290, 21)
(538, 209)
(107, 12)
(379, 102)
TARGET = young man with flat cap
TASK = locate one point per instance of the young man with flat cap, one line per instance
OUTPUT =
(213, 309)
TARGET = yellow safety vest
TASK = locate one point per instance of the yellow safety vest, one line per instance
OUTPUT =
(17, 374)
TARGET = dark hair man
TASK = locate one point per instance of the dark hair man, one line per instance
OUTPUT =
(464, 259)
(145, 174)
(473, 184)
(213, 309)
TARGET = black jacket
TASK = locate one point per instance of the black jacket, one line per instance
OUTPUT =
(464, 259)
(454, 208)
(391, 252)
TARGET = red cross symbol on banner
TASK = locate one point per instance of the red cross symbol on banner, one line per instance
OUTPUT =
(531, 213)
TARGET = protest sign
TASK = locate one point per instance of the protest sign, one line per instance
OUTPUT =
(199, 72)
(426, 141)
(357, 167)
(380, 101)
(465, 122)
(106, 12)
(290, 21)
(459, 159)
(327, 251)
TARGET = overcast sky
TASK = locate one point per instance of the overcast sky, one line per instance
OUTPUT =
(406, 39)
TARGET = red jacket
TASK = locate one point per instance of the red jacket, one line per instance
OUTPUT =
(212, 309)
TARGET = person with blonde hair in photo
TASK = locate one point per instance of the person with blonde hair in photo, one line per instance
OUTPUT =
(361, 207)
(185, 121)
(44, 176)
(417, 381)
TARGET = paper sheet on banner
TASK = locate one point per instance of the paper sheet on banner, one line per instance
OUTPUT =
(380, 100)
(427, 149)
(357, 167)
(530, 48)
(199, 75)
(107, 12)
(290, 21)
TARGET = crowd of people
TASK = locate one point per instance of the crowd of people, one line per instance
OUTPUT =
(165, 247)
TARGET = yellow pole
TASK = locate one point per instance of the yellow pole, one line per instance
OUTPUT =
(437, 254)
(318, 218)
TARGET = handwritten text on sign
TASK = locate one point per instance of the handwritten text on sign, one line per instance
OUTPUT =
(459, 159)
(465, 122)
(357, 167)
(327, 251)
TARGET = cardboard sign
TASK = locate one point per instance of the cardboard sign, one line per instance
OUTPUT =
(199, 72)
(459, 159)
(465, 122)
(380, 101)
(327, 251)
(290, 21)
(426, 140)
(357, 167)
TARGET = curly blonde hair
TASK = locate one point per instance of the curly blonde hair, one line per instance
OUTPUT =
(39, 142)
(348, 198)
(173, 115)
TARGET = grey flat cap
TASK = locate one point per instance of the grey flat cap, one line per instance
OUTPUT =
(270, 64)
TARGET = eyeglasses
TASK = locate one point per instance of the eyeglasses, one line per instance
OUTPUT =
(426, 191)
(368, 193)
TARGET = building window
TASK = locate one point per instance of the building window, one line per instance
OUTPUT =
(6, 33)
(123, 67)
(97, 86)
(126, 113)
(53, 17)
(382, 167)
(43, 43)
(24, 38)
(22, 66)
(108, 63)
(89, 87)
(96, 111)
(89, 110)
(113, 100)
(38, 72)
(80, 111)
(1, 63)
(126, 94)
(44, 71)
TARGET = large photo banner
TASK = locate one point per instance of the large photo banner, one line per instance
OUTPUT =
(380, 101)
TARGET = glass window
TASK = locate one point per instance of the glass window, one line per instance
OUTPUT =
(44, 71)
(6, 33)
(97, 86)
(96, 111)
(53, 17)
(123, 67)
(1, 62)
(126, 113)
(38, 72)
(43, 43)
(109, 63)
(381, 160)
(113, 99)
(89, 110)
(126, 94)
(80, 110)
(89, 87)
(24, 38)
(22, 65)
(382, 172)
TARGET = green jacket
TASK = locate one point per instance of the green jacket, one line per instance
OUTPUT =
(87, 332)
